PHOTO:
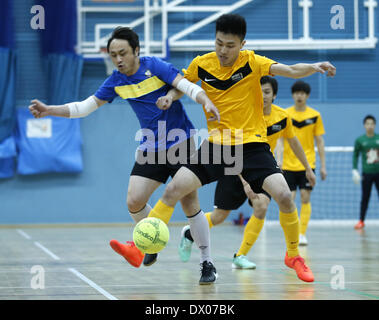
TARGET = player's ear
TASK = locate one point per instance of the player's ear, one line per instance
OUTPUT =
(243, 43)
(136, 51)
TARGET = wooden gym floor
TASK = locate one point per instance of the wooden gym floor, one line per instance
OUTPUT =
(76, 263)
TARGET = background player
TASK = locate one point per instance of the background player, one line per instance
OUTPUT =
(368, 146)
(231, 192)
(308, 127)
(141, 81)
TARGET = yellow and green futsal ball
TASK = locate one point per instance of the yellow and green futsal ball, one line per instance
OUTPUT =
(150, 235)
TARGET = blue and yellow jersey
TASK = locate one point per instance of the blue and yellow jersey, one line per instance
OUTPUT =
(142, 89)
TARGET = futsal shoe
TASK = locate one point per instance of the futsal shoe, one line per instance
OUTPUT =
(185, 245)
(129, 251)
(359, 225)
(298, 264)
(241, 262)
(303, 240)
(150, 258)
(208, 273)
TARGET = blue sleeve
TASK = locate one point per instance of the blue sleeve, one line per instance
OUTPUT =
(164, 70)
(106, 91)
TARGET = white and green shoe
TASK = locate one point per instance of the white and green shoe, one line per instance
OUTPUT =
(241, 262)
(185, 246)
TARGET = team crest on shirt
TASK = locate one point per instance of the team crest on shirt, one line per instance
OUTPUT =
(237, 77)
(148, 73)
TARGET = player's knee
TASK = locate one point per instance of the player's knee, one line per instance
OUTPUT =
(172, 192)
(260, 210)
(135, 203)
(285, 201)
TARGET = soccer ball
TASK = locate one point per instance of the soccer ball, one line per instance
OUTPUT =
(150, 235)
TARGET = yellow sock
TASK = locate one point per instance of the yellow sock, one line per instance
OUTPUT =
(290, 225)
(305, 216)
(208, 216)
(250, 235)
(162, 211)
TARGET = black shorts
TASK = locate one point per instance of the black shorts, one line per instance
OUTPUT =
(297, 179)
(160, 165)
(230, 194)
(254, 161)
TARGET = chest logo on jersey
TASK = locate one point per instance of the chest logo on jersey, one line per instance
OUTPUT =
(148, 74)
(304, 123)
(213, 81)
(276, 127)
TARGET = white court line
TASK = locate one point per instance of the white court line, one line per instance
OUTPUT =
(55, 257)
(92, 284)
(24, 234)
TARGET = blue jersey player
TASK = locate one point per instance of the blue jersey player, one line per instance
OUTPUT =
(144, 82)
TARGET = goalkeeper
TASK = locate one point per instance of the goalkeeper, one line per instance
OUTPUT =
(368, 146)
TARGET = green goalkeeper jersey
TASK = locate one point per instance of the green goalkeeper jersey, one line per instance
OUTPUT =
(369, 148)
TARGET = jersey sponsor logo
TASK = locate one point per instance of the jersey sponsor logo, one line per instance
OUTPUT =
(276, 127)
(213, 81)
(304, 123)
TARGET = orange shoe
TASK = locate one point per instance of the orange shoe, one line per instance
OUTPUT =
(298, 264)
(359, 225)
(129, 251)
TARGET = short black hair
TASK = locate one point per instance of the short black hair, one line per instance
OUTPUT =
(272, 81)
(368, 117)
(127, 34)
(232, 24)
(301, 86)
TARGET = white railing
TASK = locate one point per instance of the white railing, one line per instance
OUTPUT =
(177, 41)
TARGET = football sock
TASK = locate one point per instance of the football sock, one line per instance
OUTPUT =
(162, 211)
(143, 213)
(200, 234)
(250, 235)
(290, 225)
(305, 215)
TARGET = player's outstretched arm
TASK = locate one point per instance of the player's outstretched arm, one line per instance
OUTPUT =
(321, 152)
(300, 154)
(71, 110)
(196, 93)
(302, 70)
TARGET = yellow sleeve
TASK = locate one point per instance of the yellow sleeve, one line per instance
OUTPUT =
(263, 64)
(191, 74)
(289, 133)
(319, 128)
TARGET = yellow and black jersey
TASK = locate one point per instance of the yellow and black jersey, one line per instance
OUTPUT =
(236, 92)
(279, 125)
(307, 125)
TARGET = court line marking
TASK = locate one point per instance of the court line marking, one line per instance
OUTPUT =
(55, 257)
(92, 284)
(24, 234)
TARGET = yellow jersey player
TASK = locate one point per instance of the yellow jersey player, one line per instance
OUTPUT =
(308, 127)
(237, 144)
(232, 192)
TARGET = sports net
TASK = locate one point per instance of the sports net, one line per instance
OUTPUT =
(337, 197)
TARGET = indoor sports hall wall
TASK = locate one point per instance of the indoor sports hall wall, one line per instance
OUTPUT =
(98, 194)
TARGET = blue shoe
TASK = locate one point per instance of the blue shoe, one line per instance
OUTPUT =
(185, 246)
(241, 262)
